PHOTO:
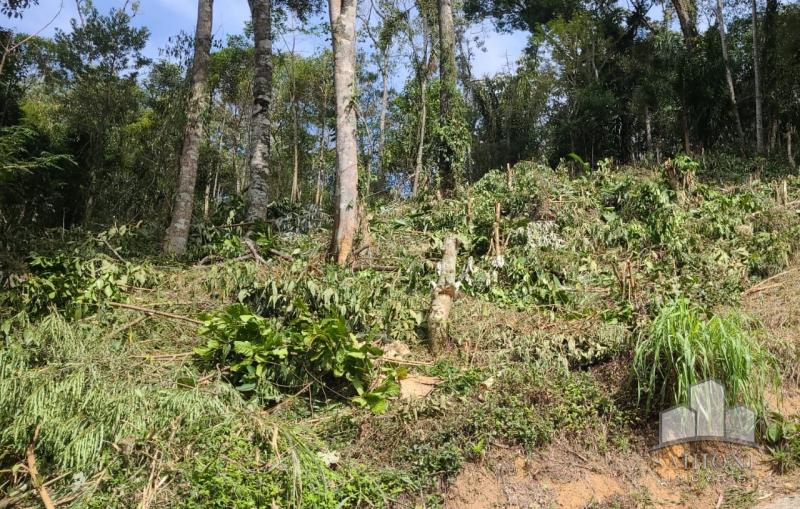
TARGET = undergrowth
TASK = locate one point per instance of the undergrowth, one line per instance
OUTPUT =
(265, 401)
(682, 347)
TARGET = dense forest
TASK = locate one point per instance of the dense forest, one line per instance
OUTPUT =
(238, 274)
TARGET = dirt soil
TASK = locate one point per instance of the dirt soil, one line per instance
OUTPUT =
(566, 477)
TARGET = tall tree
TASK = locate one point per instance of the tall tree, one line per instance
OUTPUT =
(343, 28)
(424, 65)
(261, 12)
(447, 91)
(770, 68)
(728, 75)
(687, 17)
(178, 231)
(757, 81)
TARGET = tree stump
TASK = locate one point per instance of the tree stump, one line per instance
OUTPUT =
(443, 293)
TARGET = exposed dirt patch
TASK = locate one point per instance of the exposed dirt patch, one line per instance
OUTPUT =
(703, 475)
(775, 302)
(561, 477)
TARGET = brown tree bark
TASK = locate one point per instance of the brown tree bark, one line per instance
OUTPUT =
(382, 122)
(443, 294)
(757, 81)
(178, 231)
(447, 77)
(687, 14)
(257, 193)
(687, 17)
(343, 26)
(423, 121)
(728, 75)
(424, 64)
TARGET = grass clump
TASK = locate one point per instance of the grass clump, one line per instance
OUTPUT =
(682, 347)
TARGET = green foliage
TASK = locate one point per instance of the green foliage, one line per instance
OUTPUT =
(266, 358)
(73, 284)
(72, 382)
(18, 153)
(300, 473)
(682, 347)
(374, 302)
(530, 406)
(782, 436)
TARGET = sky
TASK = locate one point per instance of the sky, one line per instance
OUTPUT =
(166, 18)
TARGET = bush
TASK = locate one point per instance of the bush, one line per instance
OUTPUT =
(266, 358)
(682, 348)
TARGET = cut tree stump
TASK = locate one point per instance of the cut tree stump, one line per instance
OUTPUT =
(443, 293)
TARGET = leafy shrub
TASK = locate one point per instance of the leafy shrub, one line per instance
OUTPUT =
(782, 436)
(682, 348)
(266, 358)
(72, 283)
(378, 303)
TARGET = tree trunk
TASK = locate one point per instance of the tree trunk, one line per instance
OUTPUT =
(443, 294)
(789, 153)
(343, 26)
(423, 120)
(257, 196)
(296, 155)
(687, 143)
(757, 81)
(382, 122)
(447, 90)
(178, 231)
(770, 66)
(321, 155)
(687, 14)
(728, 76)
(648, 131)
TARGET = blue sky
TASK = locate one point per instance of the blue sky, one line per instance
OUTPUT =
(166, 18)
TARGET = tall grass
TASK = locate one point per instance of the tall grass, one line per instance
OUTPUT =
(683, 347)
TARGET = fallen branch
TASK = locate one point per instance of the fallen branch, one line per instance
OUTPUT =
(235, 225)
(251, 246)
(166, 356)
(377, 268)
(360, 250)
(409, 362)
(254, 252)
(154, 312)
(287, 399)
(760, 289)
(757, 286)
(125, 327)
(119, 257)
(12, 500)
(36, 479)
(204, 261)
(280, 254)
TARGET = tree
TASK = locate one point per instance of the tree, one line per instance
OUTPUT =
(257, 196)
(178, 231)
(447, 92)
(14, 8)
(343, 28)
(757, 83)
(687, 17)
(728, 75)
